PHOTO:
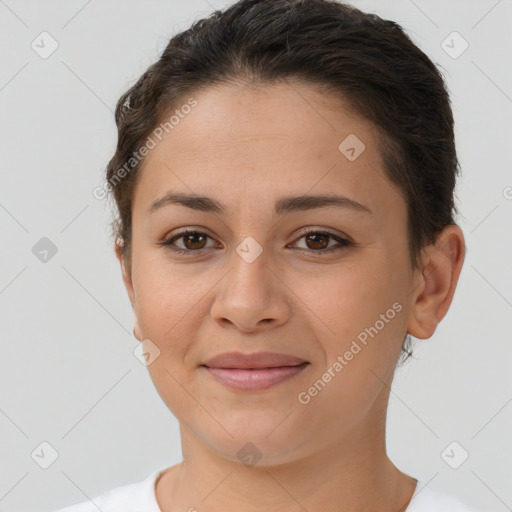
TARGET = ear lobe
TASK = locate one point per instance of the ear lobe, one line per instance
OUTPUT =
(442, 264)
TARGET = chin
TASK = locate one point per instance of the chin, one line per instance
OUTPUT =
(257, 446)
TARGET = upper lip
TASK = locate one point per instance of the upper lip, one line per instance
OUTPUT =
(255, 360)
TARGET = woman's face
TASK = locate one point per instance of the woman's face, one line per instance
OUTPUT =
(253, 280)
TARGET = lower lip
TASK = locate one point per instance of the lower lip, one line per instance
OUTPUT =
(253, 380)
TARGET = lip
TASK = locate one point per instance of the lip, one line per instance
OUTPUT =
(254, 380)
(253, 372)
(257, 360)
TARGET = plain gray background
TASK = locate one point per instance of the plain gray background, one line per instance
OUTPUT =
(68, 376)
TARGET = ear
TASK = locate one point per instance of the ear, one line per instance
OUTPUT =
(441, 267)
(128, 283)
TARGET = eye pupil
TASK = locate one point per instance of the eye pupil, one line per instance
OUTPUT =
(316, 244)
(186, 239)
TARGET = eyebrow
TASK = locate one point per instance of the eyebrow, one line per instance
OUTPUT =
(282, 205)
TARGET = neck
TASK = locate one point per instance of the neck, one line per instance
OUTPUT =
(352, 475)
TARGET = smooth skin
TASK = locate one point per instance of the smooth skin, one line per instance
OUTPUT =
(246, 147)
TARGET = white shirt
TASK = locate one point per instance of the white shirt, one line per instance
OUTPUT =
(141, 497)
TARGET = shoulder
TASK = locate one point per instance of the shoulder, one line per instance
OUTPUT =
(426, 499)
(128, 498)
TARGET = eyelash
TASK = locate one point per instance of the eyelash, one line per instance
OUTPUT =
(320, 252)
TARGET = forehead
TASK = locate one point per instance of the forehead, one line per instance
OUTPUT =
(271, 140)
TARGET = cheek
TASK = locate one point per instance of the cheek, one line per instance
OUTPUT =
(359, 312)
(169, 308)
(172, 306)
(345, 299)
(166, 295)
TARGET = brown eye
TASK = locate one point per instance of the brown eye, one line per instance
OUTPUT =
(317, 241)
(194, 241)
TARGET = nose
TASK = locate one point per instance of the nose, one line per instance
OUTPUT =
(251, 297)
